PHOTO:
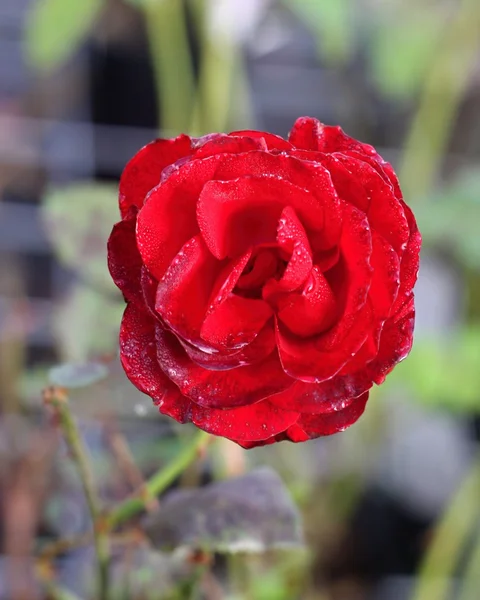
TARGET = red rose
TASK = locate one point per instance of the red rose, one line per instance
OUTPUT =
(269, 282)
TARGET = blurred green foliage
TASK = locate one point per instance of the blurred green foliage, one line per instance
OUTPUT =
(56, 28)
(78, 219)
(333, 23)
(442, 372)
(402, 46)
(404, 43)
(449, 219)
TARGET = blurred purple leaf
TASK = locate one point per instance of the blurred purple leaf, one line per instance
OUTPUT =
(251, 513)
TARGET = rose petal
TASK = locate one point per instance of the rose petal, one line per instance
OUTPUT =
(143, 171)
(236, 215)
(264, 266)
(346, 182)
(310, 134)
(305, 133)
(385, 213)
(291, 238)
(261, 347)
(235, 322)
(222, 143)
(311, 360)
(167, 219)
(245, 424)
(395, 342)
(139, 356)
(321, 398)
(223, 328)
(321, 357)
(219, 389)
(274, 142)
(327, 424)
(183, 293)
(124, 261)
(312, 311)
(410, 261)
(385, 278)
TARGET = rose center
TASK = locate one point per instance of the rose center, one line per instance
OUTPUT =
(264, 264)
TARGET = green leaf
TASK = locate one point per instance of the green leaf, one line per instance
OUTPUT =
(86, 323)
(56, 28)
(78, 219)
(402, 46)
(252, 513)
(443, 375)
(450, 219)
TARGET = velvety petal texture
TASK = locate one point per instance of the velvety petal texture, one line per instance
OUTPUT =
(269, 282)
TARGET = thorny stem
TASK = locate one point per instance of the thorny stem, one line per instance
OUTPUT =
(58, 399)
(158, 482)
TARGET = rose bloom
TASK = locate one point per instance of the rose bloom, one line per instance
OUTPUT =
(268, 282)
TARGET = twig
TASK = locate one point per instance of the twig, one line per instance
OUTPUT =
(123, 455)
(58, 400)
(158, 482)
(52, 549)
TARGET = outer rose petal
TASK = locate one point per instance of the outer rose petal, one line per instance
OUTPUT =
(327, 424)
(143, 171)
(409, 263)
(274, 142)
(326, 397)
(395, 343)
(219, 389)
(165, 223)
(222, 143)
(139, 357)
(246, 424)
(386, 276)
(310, 134)
(124, 261)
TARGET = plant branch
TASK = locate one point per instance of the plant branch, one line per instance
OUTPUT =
(58, 400)
(158, 482)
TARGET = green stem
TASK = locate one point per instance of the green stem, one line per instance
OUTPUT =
(471, 581)
(217, 70)
(172, 64)
(59, 401)
(443, 89)
(158, 482)
(220, 67)
(453, 530)
(56, 592)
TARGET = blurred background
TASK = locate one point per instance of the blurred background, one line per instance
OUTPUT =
(390, 509)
